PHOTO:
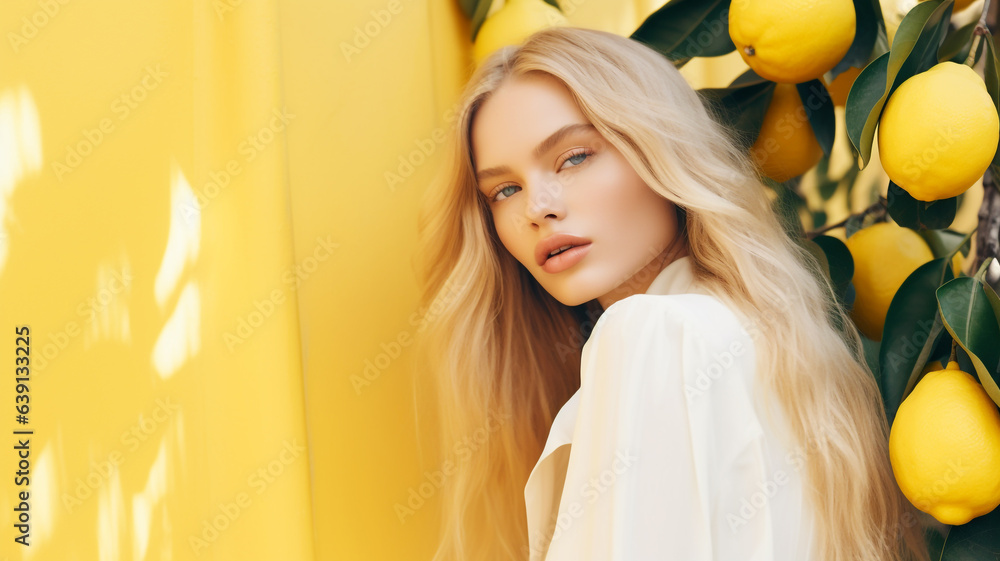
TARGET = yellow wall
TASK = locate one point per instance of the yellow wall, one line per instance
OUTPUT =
(141, 229)
(198, 229)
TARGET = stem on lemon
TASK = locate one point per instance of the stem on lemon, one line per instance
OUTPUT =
(970, 60)
(978, 33)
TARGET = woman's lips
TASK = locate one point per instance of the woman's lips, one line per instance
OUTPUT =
(562, 261)
(545, 247)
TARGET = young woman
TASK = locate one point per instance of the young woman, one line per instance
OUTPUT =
(633, 360)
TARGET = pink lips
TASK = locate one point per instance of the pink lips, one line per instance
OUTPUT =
(565, 259)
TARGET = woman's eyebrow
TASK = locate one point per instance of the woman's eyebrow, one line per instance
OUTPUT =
(543, 147)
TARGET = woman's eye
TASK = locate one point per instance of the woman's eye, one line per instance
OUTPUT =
(577, 159)
(505, 189)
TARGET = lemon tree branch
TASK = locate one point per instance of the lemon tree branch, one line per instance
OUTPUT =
(878, 207)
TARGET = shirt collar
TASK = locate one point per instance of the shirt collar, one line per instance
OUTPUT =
(676, 278)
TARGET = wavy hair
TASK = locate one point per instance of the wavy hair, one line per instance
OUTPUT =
(488, 343)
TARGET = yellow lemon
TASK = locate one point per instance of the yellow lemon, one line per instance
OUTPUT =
(938, 132)
(790, 40)
(884, 255)
(841, 85)
(512, 24)
(786, 146)
(944, 447)
(957, 263)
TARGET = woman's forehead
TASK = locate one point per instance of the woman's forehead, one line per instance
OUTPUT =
(523, 111)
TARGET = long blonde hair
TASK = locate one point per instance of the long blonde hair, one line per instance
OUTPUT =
(489, 343)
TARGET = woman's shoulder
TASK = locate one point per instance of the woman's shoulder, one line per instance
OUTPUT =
(656, 345)
(701, 312)
(687, 353)
(674, 338)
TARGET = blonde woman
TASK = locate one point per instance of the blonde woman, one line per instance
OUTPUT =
(649, 365)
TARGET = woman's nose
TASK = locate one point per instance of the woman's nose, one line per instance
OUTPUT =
(545, 199)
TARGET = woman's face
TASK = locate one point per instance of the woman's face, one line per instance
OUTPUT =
(546, 171)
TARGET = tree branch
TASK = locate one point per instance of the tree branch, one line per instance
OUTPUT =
(879, 206)
(988, 235)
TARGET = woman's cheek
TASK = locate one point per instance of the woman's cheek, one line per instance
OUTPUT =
(507, 226)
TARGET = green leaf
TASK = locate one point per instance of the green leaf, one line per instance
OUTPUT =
(914, 49)
(976, 540)
(969, 318)
(479, 16)
(679, 63)
(554, 4)
(828, 188)
(935, 539)
(825, 184)
(912, 327)
(945, 243)
(684, 29)
(917, 40)
(853, 224)
(834, 270)
(979, 52)
(991, 74)
(812, 247)
(993, 298)
(819, 218)
(942, 351)
(741, 109)
(468, 7)
(920, 215)
(747, 78)
(850, 177)
(841, 265)
(991, 294)
(868, 17)
(819, 108)
(871, 350)
(864, 105)
(957, 44)
(882, 41)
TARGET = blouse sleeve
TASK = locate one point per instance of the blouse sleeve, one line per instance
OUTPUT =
(666, 448)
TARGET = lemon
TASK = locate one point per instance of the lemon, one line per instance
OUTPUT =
(944, 447)
(957, 263)
(938, 132)
(791, 41)
(841, 85)
(786, 146)
(512, 24)
(884, 255)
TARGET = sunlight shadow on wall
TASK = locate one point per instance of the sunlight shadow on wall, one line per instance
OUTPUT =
(20, 151)
(180, 337)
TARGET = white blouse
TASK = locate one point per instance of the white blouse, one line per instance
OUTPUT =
(664, 453)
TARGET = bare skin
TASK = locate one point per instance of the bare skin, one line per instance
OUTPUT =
(579, 184)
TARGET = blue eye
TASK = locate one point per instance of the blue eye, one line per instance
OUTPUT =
(575, 159)
(581, 157)
(504, 189)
